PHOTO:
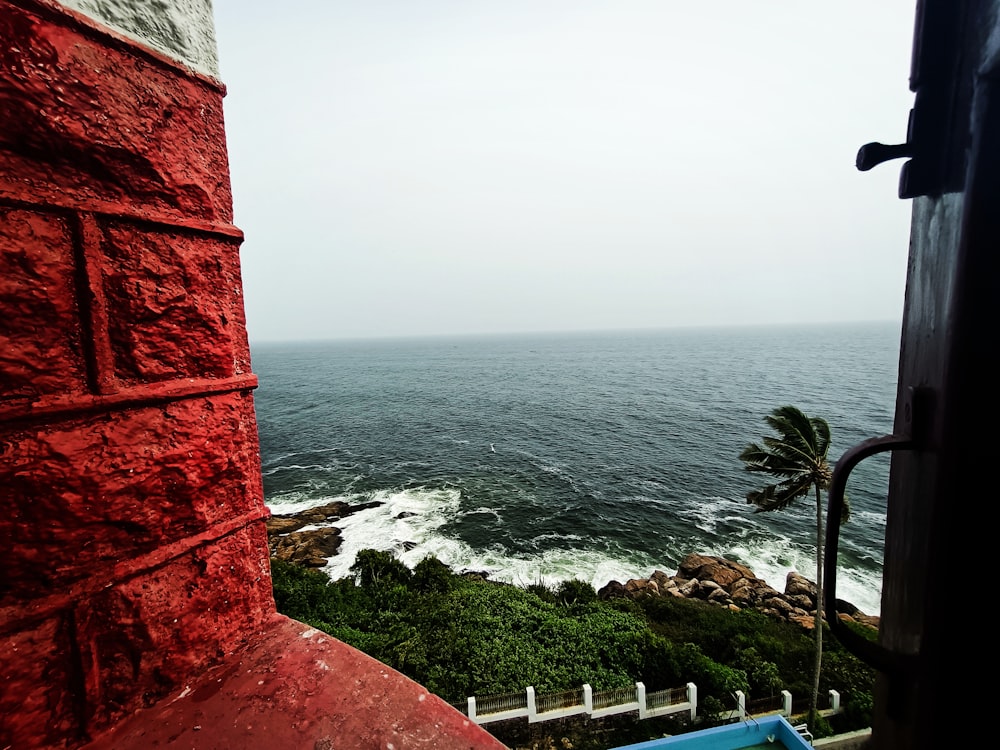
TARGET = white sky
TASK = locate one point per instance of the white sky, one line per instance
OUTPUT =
(411, 167)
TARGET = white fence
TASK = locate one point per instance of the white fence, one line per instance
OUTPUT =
(584, 700)
(740, 712)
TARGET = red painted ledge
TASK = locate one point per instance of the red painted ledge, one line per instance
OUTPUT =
(296, 687)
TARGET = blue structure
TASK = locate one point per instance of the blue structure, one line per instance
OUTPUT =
(769, 731)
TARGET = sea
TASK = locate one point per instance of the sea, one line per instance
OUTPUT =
(599, 456)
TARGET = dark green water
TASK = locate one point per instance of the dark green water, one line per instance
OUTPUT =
(599, 456)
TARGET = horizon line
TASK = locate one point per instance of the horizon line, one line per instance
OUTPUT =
(561, 332)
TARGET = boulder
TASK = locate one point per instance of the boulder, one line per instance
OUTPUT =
(801, 601)
(779, 605)
(806, 621)
(798, 585)
(872, 621)
(283, 524)
(744, 595)
(311, 549)
(662, 580)
(847, 608)
(613, 590)
(636, 587)
(718, 569)
(765, 593)
(330, 512)
(689, 588)
(719, 596)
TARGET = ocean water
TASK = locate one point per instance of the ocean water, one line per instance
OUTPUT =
(597, 456)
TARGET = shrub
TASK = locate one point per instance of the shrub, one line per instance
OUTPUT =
(858, 712)
(575, 592)
(762, 675)
(375, 567)
(430, 574)
(460, 637)
(818, 725)
(542, 591)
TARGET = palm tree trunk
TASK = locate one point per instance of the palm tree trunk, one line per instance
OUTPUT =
(818, 622)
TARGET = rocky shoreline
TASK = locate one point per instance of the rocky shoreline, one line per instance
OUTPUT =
(711, 579)
(729, 584)
(310, 548)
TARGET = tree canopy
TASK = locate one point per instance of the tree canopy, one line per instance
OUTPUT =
(796, 457)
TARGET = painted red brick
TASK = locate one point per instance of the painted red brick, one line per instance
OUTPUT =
(86, 492)
(135, 591)
(36, 708)
(40, 339)
(134, 553)
(142, 638)
(174, 303)
(95, 122)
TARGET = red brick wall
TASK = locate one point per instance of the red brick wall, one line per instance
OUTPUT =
(132, 545)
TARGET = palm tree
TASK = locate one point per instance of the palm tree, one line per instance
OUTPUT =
(797, 458)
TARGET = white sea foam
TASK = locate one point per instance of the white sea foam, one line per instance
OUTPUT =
(295, 467)
(409, 524)
(486, 511)
(296, 502)
(868, 518)
(712, 511)
(406, 518)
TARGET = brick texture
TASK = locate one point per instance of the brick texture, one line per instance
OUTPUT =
(134, 551)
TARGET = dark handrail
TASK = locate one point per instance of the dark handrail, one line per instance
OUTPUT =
(873, 654)
(889, 662)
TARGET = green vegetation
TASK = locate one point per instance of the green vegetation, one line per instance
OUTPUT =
(797, 458)
(460, 637)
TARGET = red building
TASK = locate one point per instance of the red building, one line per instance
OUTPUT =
(135, 593)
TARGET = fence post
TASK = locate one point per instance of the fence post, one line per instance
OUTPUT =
(786, 703)
(472, 708)
(693, 699)
(588, 698)
(532, 709)
(834, 701)
(640, 696)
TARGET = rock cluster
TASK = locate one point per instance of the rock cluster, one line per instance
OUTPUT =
(730, 584)
(311, 547)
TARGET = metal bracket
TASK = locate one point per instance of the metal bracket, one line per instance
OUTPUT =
(934, 135)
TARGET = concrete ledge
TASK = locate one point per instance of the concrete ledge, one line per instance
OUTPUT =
(856, 740)
(296, 687)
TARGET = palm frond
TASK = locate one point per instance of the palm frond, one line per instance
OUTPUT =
(799, 435)
(779, 496)
(795, 455)
(756, 458)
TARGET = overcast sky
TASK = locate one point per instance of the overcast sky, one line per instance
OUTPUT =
(423, 167)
